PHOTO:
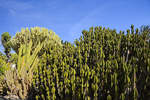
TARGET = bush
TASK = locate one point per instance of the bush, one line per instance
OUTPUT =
(19, 79)
(103, 65)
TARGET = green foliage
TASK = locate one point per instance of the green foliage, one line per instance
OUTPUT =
(36, 34)
(109, 97)
(3, 66)
(19, 79)
(5, 38)
(14, 57)
(102, 65)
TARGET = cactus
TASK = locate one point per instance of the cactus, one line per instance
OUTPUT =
(101, 60)
(19, 80)
(109, 97)
(36, 34)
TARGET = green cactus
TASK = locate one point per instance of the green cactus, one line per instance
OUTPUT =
(101, 60)
(109, 97)
(22, 76)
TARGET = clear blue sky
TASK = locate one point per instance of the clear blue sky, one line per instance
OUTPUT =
(68, 18)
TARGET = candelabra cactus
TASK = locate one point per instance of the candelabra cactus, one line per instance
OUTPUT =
(103, 64)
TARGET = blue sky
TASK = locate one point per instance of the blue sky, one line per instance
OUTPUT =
(67, 18)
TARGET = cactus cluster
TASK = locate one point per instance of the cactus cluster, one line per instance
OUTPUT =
(35, 34)
(19, 79)
(101, 65)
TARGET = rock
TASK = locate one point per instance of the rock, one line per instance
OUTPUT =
(11, 97)
(1, 98)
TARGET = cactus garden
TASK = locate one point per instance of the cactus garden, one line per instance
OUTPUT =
(102, 64)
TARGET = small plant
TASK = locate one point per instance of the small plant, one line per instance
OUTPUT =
(19, 79)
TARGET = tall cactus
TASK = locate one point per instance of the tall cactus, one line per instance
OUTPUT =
(21, 77)
(103, 64)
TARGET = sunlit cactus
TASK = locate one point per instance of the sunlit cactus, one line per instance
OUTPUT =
(102, 65)
(22, 76)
